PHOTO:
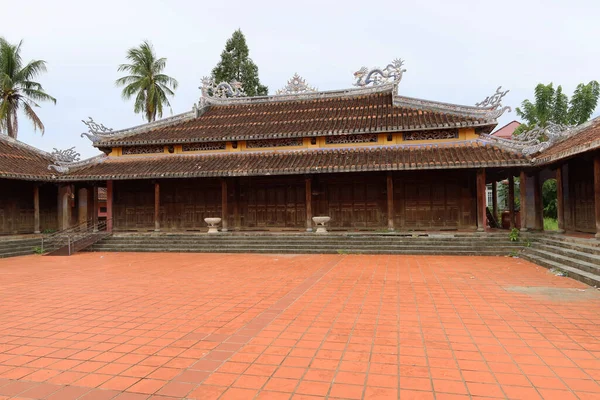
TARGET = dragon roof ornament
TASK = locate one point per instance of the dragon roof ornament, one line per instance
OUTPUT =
(391, 73)
(223, 90)
(63, 158)
(536, 139)
(96, 131)
(296, 85)
(494, 103)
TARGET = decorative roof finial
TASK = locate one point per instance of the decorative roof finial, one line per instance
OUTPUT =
(95, 130)
(66, 156)
(296, 85)
(377, 76)
(222, 90)
(494, 102)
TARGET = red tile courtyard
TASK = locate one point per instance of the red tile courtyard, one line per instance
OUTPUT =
(246, 326)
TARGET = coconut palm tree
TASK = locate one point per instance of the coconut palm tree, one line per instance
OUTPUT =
(147, 82)
(18, 90)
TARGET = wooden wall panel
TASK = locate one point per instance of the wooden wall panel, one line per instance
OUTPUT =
(581, 195)
(434, 200)
(271, 202)
(353, 201)
(16, 207)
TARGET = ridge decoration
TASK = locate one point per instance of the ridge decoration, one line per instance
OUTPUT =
(391, 73)
(296, 85)
(536, 139)
(222, 90)
(95, 130)
(63, 158)
(494, 103)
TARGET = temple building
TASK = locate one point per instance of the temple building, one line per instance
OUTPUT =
(367, 157)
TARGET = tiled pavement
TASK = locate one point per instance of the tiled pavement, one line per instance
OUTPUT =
(207, 326)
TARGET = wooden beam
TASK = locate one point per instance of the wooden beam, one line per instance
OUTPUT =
(511, 200)
(223, 205)
(390, 201)
(95, 205)
(523, 200)
(109, 206)
(481, 200)
(36, 208)
(597, 193)
(560, 200)
(538, 202)
(156, 206)
(308, 192)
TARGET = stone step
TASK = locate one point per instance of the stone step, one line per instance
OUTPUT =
(585, 247)
(497, 249)
(16, 253)
(577, 274)
(317, 251)
(310, 244)
(575, 253)
(18, 243)
(301, 240)
(593, 268)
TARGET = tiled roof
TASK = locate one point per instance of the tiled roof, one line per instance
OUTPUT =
(345, 114)
(21, 161)
(586, 138)
(469, 154)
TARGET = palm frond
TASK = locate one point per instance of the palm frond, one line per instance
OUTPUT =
(33, 117)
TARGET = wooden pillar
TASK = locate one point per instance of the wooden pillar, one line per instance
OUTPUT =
(511, 200)
(156, 206)
(95, 206)
(390, 201)
(223, 205)
(523, 200)
(308, 192)
(560, 200)
(236, 204)
(109, 206)
(495, 199)
(538, 202)
(481, 200)
(36, 208)
(597, 193)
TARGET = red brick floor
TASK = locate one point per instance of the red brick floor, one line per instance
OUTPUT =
(208, 326)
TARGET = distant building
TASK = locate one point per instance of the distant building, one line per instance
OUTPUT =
(507, 130)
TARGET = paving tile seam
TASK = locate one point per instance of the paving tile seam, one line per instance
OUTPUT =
(258, 323)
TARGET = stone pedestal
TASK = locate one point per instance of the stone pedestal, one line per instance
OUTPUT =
(213, 224)
(321, 221)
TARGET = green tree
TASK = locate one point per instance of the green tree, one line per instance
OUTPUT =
(146, 81)
(236, 64)
(552, 105)
(18, 90)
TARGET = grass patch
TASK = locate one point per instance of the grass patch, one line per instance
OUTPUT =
(550, 224)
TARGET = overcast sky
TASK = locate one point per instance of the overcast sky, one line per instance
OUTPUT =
(455, 51)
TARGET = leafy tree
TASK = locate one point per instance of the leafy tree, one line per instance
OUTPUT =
(147, 83)
(236, 64)
(552, 105)
(18, 90)
(550, 199)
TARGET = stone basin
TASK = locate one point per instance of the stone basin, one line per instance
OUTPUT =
(321, 221)
(212, 224)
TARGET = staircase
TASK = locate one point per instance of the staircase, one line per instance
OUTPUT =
(15, 246)
(332, 243)
(577, 258)
(74, 239)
